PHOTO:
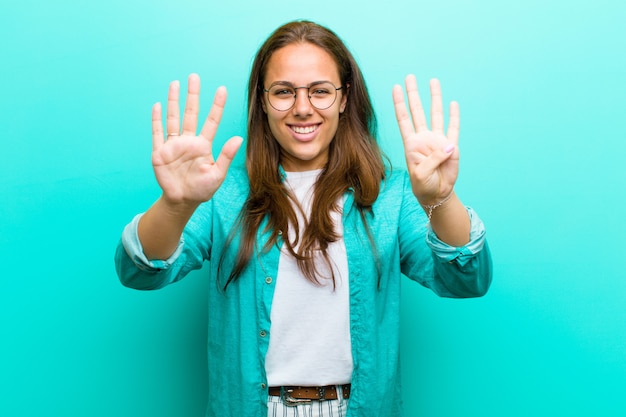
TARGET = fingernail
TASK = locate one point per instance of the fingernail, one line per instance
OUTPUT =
(449, 148)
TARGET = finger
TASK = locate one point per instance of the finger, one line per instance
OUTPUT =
(414, 158)
(215, 115)
(229, 150)
(157, 126)
(435, 159)
(173, 111)
(436, 107)
(415, 104)
(402, 115)
(427, 144)
(455, 121)
(192, 106)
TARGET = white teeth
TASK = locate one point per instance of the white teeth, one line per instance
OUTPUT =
(307, 129)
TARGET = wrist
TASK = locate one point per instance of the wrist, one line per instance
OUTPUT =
(430, 208)
(177, 209)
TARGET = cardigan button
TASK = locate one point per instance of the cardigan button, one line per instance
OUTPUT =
(262, 333)
(268, 280)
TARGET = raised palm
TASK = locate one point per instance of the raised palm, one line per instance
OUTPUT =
(432, 157)
(183, 162)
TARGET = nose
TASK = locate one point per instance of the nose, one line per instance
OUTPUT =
(302, 106)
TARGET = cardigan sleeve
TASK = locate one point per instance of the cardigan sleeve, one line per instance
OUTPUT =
(462, 254)
(457, 272)
(136, 271)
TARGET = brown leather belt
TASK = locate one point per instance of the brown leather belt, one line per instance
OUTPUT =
(328, 392)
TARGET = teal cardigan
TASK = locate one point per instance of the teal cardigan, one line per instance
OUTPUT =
(239, 318)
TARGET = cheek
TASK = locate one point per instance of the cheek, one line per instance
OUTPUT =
(273, 124)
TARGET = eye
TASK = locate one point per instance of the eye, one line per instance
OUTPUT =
(319, 91)
(282, 91)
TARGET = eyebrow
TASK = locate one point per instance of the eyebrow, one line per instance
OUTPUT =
(290, 84)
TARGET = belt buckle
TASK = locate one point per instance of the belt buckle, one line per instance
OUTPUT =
(290, 401)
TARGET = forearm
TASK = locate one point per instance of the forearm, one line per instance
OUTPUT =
(161, 227)
(450, 222)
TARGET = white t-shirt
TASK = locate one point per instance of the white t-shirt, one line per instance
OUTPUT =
(310, 324)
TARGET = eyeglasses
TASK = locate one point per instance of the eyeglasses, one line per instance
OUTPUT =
(282, 96)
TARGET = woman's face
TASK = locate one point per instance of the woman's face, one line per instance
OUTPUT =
(303, 132)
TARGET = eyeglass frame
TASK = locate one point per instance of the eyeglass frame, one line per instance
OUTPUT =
(295, 93)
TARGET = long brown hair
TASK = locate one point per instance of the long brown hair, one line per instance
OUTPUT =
(355, 162)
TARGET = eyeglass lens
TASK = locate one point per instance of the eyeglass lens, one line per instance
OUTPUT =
(321, 95)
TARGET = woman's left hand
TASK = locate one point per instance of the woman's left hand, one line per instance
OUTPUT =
(432, 157)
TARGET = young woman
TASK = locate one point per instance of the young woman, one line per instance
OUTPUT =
(308, 243)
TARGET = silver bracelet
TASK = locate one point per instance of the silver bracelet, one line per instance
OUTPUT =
(434, 206)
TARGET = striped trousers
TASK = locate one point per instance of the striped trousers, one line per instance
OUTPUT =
(327, 408)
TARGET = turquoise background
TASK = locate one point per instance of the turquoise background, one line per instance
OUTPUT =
(541, 86)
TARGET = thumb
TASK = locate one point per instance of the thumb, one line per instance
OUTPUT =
(438, 157)
(229, 150)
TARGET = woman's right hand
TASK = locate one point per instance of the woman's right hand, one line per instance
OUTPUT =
(183, 162)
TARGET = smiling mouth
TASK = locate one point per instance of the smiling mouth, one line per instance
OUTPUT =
(304, 129)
